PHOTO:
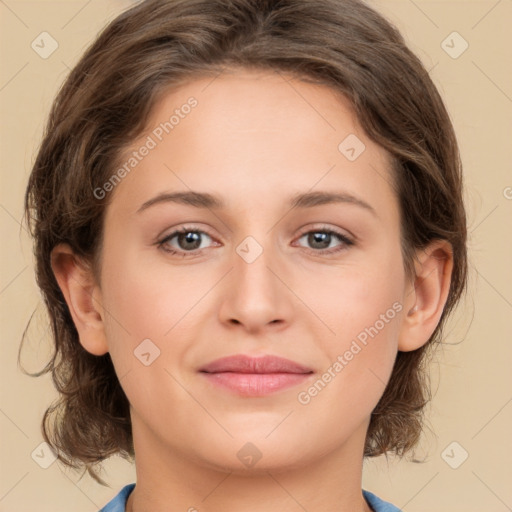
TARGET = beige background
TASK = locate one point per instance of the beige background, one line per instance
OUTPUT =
(473, 403)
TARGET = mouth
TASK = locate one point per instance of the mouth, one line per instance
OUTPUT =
(255, 376)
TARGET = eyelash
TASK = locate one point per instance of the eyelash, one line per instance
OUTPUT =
(347, 242)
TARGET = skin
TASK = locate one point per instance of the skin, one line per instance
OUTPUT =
(255, 139)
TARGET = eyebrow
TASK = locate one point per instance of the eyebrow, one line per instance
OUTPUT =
(212, 202)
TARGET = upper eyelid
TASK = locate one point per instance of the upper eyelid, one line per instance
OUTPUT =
(192, 227)
(185, 229)
(322, 227)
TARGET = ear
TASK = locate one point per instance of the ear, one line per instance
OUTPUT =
(425, 298)
(83, 297)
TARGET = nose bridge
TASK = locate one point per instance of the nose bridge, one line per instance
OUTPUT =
(255, 296)
(254, 259)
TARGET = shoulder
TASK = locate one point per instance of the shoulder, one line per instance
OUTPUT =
(377, 504)
(118, 504)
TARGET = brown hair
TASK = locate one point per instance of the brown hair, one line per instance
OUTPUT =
(104, 105)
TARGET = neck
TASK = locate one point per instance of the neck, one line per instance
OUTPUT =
(171, 480)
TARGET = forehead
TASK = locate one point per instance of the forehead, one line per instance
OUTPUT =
(237, 102)
(253, 133)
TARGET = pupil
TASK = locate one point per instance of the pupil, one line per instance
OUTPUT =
(320, 238)
(190, 238)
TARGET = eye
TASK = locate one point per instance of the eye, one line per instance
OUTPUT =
(186, 240)
(321, 241)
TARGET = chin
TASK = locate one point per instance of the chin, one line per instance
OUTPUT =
(252, 455)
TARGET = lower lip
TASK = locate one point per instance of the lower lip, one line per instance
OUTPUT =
(256, 384)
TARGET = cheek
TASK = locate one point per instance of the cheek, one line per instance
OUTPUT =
(351, 299)
(147, 315)
(150, 302)
(147, 299)
(363, 309)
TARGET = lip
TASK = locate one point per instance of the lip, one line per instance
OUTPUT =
(255, 376)
(247, 364)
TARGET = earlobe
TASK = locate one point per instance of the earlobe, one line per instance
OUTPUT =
(83, 297)
(426, 297)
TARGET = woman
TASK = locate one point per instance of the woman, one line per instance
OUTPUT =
(249, 231)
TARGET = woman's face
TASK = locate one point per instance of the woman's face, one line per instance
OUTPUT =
(262, 272)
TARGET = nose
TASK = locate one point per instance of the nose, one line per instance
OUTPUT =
(255, 296)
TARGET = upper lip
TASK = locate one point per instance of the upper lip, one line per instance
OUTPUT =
(247, 364)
